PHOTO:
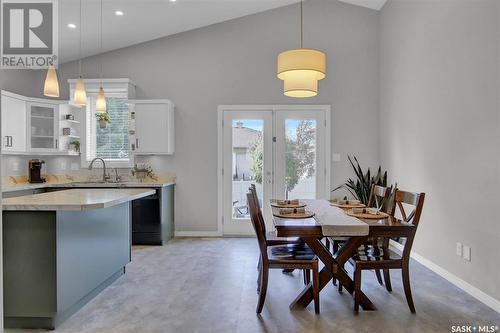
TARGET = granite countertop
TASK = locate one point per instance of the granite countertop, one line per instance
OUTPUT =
(74, 199)
(83, 184)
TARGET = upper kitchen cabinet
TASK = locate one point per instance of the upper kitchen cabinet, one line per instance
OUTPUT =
(13, 110)
(152, 127)
(43, 126)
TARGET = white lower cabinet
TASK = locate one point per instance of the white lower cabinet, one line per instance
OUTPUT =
(152, 127)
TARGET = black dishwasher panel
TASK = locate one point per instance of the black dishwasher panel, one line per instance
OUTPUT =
(146, 220)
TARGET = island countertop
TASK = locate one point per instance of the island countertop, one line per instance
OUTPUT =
(74, 199)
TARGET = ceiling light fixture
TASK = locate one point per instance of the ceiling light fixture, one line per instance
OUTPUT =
(71, 25)
(172, 0)
(119, 13)
(301, 69)
(51, 86)
(100, 105)
(80, 98)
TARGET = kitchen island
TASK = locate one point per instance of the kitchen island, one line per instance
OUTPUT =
(61, 249)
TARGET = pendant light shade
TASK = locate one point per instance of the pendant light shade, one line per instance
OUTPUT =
(80, 98)
(301, 69)
(100, 104)
(51, 86)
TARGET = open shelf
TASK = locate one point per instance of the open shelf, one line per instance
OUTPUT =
(42, 117)
(71, 121)
(71, 136)
(42, 136)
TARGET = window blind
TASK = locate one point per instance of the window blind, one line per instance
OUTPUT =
(110, 143)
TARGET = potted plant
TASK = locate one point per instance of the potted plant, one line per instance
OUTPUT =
(360, 186)
(103, 119)
(74, 146)
(142, 171)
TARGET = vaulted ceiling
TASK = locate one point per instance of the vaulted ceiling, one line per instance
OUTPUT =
(145, 20)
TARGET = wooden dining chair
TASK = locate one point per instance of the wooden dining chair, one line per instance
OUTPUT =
(388, 259)
(281, 257)
(378, 198)
(273, 240)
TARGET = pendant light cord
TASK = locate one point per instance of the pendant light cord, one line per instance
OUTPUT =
(301, 25)
(100, 46)
(80, 51)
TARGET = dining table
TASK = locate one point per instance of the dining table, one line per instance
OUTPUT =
(331, 221)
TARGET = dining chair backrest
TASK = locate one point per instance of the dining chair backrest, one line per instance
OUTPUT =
(404, 201)
(258, 223)
(379, 195)
(253, 191)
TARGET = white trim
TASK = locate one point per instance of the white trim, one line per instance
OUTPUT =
(197, 234)
(450, 277)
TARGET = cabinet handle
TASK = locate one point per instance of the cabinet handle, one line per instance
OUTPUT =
(57, 143)
(11, 141)
(137, 143)
(6, 144)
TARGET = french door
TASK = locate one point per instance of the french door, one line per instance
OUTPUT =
(283, 150)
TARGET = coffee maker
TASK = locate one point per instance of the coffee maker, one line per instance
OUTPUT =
(35, 171)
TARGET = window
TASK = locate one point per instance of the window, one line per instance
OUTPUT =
(110, 143)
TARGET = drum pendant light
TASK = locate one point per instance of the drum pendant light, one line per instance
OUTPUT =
(301, 69)
(51, 86)
(100, 105)
(80, 98)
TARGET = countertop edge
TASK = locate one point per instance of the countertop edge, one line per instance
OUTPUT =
(78, 207)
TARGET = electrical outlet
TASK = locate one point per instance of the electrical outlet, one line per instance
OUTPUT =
(15, 166)
(459, 249)
(467, 253)
(75, 166)
(62, 165)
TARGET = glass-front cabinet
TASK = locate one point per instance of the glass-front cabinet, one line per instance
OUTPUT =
(43, 126)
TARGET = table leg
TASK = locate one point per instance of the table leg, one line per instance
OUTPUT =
(332, 266)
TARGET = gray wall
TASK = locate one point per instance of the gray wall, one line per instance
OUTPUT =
(235, 63)
(439, 118)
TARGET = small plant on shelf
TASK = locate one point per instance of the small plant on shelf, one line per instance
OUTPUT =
(103, 119)
(75, 146)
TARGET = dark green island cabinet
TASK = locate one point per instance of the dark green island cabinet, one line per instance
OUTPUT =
(61, 249)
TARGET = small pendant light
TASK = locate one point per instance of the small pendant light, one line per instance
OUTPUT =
(100, 105)
(301, 69)
(51, 86)
(80, 98)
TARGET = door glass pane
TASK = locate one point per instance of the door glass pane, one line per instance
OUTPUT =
(300, 158)
(247, 163)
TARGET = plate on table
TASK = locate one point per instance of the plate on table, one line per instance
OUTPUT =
(347, 204)
(287, 204)
(367, 214)
(293, 213)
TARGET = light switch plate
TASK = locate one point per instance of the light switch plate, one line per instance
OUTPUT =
(467, 253)
(459, 249)
(15, 166)
(335, 157)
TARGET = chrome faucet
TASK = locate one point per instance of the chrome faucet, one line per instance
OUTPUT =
(105, 177)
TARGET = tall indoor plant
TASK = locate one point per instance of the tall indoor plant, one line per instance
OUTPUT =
(360, 186)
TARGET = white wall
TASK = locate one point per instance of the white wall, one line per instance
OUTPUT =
(234, 62)
(439, 120)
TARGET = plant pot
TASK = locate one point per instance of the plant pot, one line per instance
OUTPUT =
(103, 123)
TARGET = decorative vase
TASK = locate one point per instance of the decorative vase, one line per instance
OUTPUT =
(103, 123)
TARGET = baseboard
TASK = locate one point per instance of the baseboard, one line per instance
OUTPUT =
(197, 234)
(465, 286)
